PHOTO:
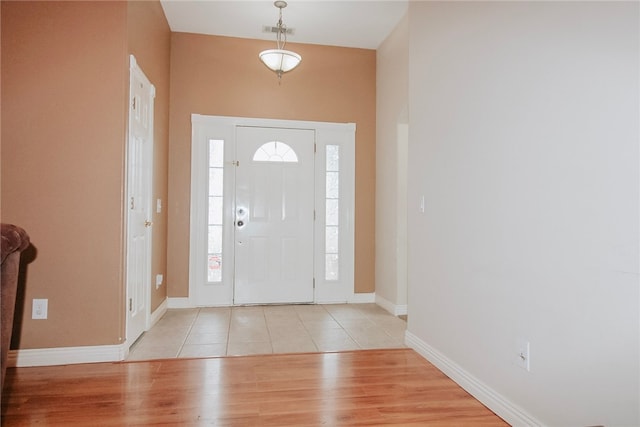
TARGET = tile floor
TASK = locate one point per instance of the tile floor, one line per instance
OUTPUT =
(238, 331)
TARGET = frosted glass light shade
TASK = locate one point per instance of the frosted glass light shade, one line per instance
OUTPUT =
(280, 60)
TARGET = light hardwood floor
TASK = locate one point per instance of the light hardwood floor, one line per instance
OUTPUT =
(353, 388)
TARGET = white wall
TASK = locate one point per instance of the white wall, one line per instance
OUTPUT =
(392, 74)
(524, 140)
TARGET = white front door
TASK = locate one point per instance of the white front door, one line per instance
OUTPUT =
(138, 202)
(274, 215)
(278, 252)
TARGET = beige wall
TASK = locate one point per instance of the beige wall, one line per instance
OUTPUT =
(223, 76)
(392, 74)
(524, 140)
(64, 110)
(149, 40)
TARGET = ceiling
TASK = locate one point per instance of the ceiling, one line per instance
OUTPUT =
(349, 23)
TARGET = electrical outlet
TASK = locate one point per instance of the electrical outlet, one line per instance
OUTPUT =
(523, 355)
(159, 279)
(39, 310)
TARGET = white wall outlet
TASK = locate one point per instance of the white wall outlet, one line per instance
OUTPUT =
(523, 354)
(158, 205)
(159, 279)
(421, 206)
(39, 310)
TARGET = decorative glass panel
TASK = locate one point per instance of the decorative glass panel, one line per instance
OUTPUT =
(333, 185)
(216, 153)
(331, 267)
(215, 181)
(332, 212)
(215, 268)
(215, 239)
(215, 210)
(331, 240)
(333, 158)
(275, 151)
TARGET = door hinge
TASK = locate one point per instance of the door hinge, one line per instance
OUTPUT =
(314, 283)
(132, 203)
(314, 214)
(130, 304)
(235, 163)
(315, 148)
(133, 104)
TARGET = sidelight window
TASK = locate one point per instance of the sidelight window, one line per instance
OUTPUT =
(214, 240)
(332, 214)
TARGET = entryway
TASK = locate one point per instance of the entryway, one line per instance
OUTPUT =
(271, 212)
(237, 331)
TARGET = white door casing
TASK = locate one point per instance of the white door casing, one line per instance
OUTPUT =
(274, 215)
(139, 167)
(221, 293)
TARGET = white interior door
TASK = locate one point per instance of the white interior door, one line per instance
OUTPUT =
(139, 193)
(274, 215)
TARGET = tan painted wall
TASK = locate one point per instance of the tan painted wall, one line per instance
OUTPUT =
(64, 108)
(149, 39)
(64, 83)
(223, 76)
(64, 111)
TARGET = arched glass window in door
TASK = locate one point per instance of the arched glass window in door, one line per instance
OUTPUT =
(275, 151)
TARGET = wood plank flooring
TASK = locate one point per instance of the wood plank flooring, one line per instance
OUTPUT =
(359, 388)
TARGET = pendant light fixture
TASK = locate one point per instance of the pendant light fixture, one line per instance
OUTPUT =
(280, 60)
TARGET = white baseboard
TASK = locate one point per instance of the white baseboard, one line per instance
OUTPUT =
(185, 302)
(67, 355)
(392, 308)
(179, 302)
(75, 355)
(158, 313)
(362, 298)
(505, 409)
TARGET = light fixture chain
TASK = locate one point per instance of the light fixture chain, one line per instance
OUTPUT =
(282, 31)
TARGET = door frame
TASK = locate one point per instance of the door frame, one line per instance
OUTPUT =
(205, 128)
(136, 71)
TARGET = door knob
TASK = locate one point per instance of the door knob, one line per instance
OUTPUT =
(148, 223)
(240, 223)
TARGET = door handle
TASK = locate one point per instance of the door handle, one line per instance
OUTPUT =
(148, 223)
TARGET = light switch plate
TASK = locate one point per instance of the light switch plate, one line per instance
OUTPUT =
(523, 354)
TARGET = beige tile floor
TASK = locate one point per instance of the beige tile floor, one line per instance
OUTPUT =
(238, 331)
